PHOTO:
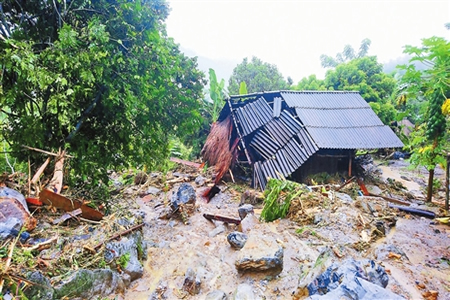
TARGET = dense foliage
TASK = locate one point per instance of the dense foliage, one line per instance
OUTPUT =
(258, 77)
(431, 86)
(99, 78)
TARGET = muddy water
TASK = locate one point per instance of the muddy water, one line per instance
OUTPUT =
(174, 247)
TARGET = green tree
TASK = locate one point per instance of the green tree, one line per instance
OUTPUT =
(310, 83)
(258, 76)
(99, 78)
(347, 55)
(433, 85)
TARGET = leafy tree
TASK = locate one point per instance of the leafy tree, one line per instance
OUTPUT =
(258, 76)
(99, 78)
(345, 56)
(432, 84)
(310, 84)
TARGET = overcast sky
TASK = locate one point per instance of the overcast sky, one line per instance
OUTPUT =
(293, 34)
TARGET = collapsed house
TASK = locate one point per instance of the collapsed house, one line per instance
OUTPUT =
(292, 134)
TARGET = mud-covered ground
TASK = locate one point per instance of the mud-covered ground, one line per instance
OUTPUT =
(414, 250)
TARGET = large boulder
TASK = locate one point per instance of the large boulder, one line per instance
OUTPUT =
(89, 284)
(356, 280)
(261, 253)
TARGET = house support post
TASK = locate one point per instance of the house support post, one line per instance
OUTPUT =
(238, 132)
(350, 164)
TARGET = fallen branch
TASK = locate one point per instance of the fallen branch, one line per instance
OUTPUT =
(119, 235)
(345, 183)
(45, 152)
(8, 262)
(41, 245)
(391, 199)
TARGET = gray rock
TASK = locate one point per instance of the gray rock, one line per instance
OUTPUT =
(216, 295)
(10, 193)
(374, 189)
(10, 228)
(216, 231)
(200, 180)
(184, 195)
(192, 282)
(382, 251)
(244, 210)
(244, 292)
(261, 254)
(43, 290)
(237, 239)
(352, 279)
(87, 284)
(132, 246)
(152, 191)
(345, 198)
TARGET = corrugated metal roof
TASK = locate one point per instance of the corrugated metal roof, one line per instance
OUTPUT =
(338, 118)
(324, 100)
(375, 137)
(286, 138)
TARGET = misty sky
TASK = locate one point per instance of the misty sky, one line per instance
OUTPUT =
(293, 34)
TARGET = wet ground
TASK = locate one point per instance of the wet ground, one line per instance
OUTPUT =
(415, 251)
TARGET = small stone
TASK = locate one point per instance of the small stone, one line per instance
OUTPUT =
(200, 180)
(216, 295)
(191, 282)
(344, 198)
(237, 239)
(244, 292)
(216, 231)
(244, 210)
(152, 191)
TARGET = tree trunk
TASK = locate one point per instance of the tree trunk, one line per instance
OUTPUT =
(430, 185)
(447, 184)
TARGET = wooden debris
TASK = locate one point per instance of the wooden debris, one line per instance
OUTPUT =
(67, 216)
(391, 199)
(40, 171)
(222, 218)
(56, 182)
(59, 201)
(394, 255)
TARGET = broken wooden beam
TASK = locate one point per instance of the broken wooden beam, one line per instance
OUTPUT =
(222, 219)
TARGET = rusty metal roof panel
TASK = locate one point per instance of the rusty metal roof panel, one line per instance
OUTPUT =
(374, 137)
